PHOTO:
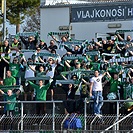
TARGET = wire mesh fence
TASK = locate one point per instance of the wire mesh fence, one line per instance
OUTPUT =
(72, 123)
(58, 122)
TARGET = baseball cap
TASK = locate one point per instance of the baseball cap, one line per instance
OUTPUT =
(42, 41)
(77, 62)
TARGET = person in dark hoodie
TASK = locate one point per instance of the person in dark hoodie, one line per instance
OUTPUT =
(31, 43)
(77, 49)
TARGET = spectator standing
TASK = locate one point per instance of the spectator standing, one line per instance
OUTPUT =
(10, 97)
(115, 87)
(57, 56)
(9, 80)
(125, 51)
(5, 48)
(62, 41)
(29, 73)
(5, 52)
(30, 43)
(35, 56)
(128, 88)
(15, 68)
(96, 91)
(16, 45)
(41, 91)
(52, 46)
(42, 45)
(77, 49)
(70, 91)
(114, 83)
(50, 70)
(128, 38)
(9, 107)
(96, 63)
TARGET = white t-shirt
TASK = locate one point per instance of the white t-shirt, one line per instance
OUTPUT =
(29, 73)
(97, 83)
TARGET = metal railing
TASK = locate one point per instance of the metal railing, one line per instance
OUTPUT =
(117, 122)
(55, 121)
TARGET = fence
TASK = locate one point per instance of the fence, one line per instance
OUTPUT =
(53, 121)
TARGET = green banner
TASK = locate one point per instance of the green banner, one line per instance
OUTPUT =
(26, 50)
(92, 53)
(27, 34)
(121, 43)
(73, 43)
(73, 57)
(106, 54)
(81, 70)
(65, 82)
(36, 63)
(47, 54)
(122, 59)
(39, 78)
(10, 87)
(123, 31)
(58, 33)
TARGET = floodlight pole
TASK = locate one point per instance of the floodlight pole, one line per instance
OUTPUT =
(4, 18)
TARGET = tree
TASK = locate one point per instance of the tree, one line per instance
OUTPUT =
(32, 23)
(17, 10)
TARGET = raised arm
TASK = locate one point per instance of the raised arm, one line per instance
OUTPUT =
(23, 40)
(32, 68)
(119, 36)
(87, 83)
(40, 59)
(33, 85)
(99, 44)
(130, 70)
(108, 75)
(104, 74)
(5, 60)
(67, 49)
(2, 92)
(91, 85)
(67, 64)
(63, 77)
(18, 92)
(55, 38)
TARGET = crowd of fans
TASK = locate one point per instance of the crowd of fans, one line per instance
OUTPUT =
(72, 72)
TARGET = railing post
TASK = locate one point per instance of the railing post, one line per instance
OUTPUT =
(22, 114)
(117, 116)
(53, 116)
(85, 114)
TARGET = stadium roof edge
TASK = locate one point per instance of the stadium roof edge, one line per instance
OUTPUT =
(84, 4)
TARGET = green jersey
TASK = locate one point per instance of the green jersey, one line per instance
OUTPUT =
(128, 90)
(114, 68)
(95, 65)
(40, 91)
(9, 81)
(114, 85)
(10, 99)
(14, 68)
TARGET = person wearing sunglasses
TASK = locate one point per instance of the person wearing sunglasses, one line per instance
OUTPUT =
(31, 43)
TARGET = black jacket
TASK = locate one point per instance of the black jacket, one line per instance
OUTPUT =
(29, 45)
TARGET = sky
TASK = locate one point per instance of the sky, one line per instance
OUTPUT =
(11, 29)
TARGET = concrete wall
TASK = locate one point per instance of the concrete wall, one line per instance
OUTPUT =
(87, 30)
(52, 18)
